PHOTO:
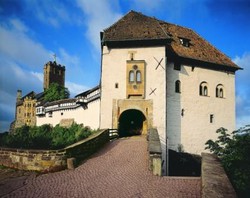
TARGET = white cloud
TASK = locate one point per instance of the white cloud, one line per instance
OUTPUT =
(67, 59)
(51, 12)
(147, 5)
(171, 10)
(18, 25)
(242, 121)
(18, 78)
(244, 62)
(243, 90)
(73, 65)
(7, 102)
(16, 45)
(38, 75)
(13, 77)
(75, 88)
(100, 15)
(4, 126)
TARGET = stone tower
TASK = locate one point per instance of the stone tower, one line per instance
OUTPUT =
(19, 95)
(53, 73)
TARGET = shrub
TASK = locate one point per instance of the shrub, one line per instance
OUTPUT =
(40, 136)
(184, 164)
(45, 136)
(234, 154)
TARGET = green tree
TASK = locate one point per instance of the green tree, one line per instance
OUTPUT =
(40, 137)
(19, 139)
(56, 92)
(45, 136)
(234, 152)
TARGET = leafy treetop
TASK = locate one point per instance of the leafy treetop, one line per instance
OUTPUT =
(56, 92)
(234, 152)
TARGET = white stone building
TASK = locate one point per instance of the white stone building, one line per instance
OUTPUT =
(156, 74)
(83, 109)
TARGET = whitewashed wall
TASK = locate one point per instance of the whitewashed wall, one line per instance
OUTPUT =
(87, 117)
(193, 129)
(114, 71)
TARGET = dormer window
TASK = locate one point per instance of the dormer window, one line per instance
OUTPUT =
(184, 42)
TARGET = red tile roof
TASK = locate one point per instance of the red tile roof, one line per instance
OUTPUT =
(135, 26)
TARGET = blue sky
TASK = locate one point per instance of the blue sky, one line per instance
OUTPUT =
(31, 31)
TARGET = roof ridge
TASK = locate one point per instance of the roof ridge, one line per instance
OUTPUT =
(135, 26)
(135, 14)
(28, 94)
(174, 24)
(105, 29)
(211, 45)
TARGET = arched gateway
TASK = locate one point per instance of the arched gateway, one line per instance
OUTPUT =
(132, 117)
(131, 122)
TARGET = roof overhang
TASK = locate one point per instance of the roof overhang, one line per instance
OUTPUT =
(135, 43)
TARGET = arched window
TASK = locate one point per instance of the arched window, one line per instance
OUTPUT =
(138, 76)
(220, 91)
(131, 76)
(203, 89)
(178, 86)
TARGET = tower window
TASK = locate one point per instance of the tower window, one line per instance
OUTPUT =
(131, 76)
(135, 79)
(219, 91)
(138, 76)
(203, 89)
(116, 85)
(178, 86)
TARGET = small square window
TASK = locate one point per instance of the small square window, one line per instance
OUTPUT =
(211, 118)
(116, 85)
(177, 66)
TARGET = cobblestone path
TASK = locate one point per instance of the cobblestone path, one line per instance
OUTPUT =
(120, 169)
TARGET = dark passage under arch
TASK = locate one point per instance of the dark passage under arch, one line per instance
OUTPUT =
(131, 123)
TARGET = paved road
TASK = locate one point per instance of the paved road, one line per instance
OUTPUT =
(118, 170)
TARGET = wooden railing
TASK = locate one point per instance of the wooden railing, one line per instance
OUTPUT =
(113, 134)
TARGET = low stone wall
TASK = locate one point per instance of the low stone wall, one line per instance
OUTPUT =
(83, 149)
(155, 153)
(52, 160)
(38, 160)
(215, 182)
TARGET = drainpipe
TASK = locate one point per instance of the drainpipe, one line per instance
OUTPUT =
(167, 160)
(167, 157)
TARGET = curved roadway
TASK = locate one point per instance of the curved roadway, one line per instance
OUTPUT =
(120, 169)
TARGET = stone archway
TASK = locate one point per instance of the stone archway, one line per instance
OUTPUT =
(139, 107)
(131, 122)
